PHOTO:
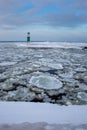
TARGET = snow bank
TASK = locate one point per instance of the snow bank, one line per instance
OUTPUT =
(52, 45)
(18, 112)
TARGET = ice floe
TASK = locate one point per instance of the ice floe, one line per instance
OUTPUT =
(80, 70)
(46, 82)
(83, 86)
(82, 96)
(55, 66)
(6, 63)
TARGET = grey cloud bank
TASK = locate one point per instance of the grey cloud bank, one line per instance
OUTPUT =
(66, 16)
(16, 14)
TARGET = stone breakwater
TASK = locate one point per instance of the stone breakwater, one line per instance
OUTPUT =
(43, 75)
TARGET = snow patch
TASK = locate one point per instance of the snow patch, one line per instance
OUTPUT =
(52, 45)
(19, 112)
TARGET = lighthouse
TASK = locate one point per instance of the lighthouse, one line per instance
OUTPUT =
(28, 37)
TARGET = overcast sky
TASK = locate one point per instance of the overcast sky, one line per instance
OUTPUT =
(49, 20)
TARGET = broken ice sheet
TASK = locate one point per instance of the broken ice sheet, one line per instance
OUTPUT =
(46, 82)
(82, 96)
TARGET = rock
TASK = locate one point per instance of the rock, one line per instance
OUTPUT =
(82, 96)
(45, 82)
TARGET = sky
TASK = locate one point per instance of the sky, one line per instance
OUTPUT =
(46, 20)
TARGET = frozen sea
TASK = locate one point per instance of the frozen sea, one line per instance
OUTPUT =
(43, 86)
(54, 72)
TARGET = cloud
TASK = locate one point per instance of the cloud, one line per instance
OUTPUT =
(16, 13)
(79, 4)
(54, 13)
(8, 27)
(66, 20)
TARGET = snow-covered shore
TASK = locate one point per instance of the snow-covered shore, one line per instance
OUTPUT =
(19, 112)
(42, 116)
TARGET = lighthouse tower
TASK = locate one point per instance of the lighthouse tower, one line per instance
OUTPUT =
(28, 37)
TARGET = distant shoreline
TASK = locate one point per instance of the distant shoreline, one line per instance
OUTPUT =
(48, 41)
